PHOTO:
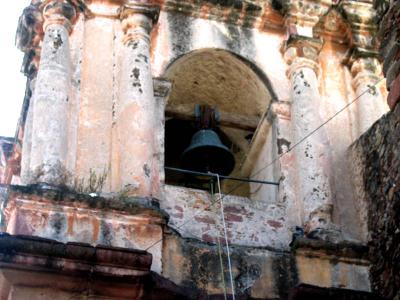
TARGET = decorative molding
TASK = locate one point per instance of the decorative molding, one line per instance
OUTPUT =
(361, 16)
(333, 27)
(258, 14)
(301, 16)
(300, 51)
(138, 15)
(59, 12)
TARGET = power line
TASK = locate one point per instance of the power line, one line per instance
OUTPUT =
(213, 175)
(370, 88)
(308, 135)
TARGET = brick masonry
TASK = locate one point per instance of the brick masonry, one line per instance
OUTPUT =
(376, 163)
(389, 22)
(249, 223)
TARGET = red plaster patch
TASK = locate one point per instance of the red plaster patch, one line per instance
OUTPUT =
(205, 219)
(96, 229)
(234, 209)
(207, 238)
(178, 215)
(233, 218)
(179, 208)
(274, 224)
(394, 94)
(70, 225)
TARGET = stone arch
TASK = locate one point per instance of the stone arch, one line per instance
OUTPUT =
(211, 63)
(261, 51)
(236, 86)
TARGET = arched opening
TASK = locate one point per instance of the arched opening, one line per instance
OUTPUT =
(221, 80)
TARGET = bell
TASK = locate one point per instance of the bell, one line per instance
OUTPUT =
(206, 153)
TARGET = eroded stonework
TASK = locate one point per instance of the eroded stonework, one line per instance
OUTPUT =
(113, 95)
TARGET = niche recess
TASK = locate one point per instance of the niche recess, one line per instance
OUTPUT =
(222, 80)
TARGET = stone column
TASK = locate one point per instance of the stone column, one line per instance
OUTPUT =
(31, 72)
(136, 109)
(49, 127)
(366, 72)
(28, 39)
(312, 155)
(27, 140)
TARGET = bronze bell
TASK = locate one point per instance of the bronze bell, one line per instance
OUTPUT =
(206, 153)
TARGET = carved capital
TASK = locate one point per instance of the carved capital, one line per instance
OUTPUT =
(361, 17)
(138, 20)
(365, 70)
(301, 16)
(302, 52)
(59, 12)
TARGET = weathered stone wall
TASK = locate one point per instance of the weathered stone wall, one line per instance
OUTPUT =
(389, 22)
(112, 138)
(376, 163)
(10, 161)
(249, 222)
(66, 216)
(253, 32)
(264, 272)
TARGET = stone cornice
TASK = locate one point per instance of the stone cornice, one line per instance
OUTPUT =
(333, 27)
(134, 7)
(59, 12)
(302, 16)
(300, 51)
(259, 14)
(137, 20)
(361, 16)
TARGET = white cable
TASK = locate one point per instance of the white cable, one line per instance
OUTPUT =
(226, 236)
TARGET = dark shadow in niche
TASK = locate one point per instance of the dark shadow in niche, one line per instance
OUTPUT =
(178, 135)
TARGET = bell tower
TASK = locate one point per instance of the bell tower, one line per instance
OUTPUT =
(195, 149)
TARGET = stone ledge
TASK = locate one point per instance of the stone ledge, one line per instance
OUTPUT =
(35, 253)
(344, 249)
(310, 292)
(255, 14)
(67, 216)
(130, 205)
(33, 265)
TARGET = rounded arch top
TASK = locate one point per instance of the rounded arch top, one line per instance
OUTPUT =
(219, 78)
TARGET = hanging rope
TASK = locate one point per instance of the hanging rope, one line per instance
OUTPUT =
(221, 204)
(218, 242)
(371, 87)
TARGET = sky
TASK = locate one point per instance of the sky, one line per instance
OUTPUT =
(12, 81)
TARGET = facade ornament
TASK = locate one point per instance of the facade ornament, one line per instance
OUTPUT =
(360, 15)
(138, 20)
(301, 51)
(363, 62)
(302, 16)
(363, 56)
(59, 12)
